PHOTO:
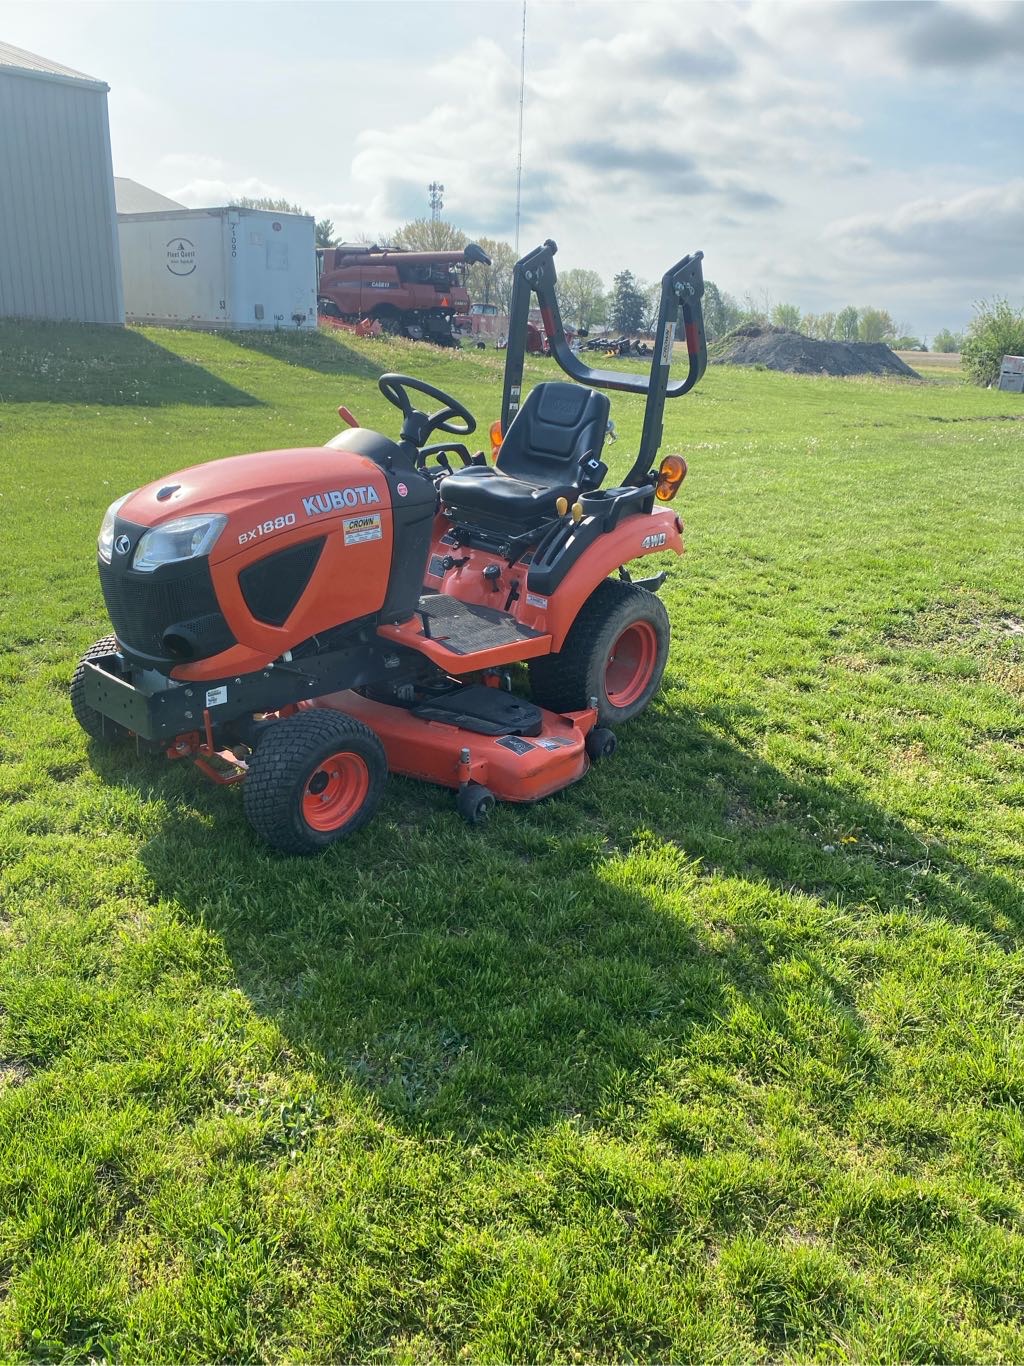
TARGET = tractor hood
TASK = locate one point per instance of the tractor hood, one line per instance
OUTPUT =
(265, 493)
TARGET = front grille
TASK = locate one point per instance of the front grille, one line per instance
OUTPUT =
(142, 606)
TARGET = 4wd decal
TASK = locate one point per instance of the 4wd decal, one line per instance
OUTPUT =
(653, 541)
(333, 500)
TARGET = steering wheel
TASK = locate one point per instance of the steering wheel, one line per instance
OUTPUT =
(394, 387)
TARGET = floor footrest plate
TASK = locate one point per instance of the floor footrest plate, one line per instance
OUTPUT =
(466, 628)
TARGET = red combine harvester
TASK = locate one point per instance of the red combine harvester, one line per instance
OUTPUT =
(413, 294)
(307, 620)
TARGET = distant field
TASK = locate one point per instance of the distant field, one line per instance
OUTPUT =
(931, 360)
(716, 1056)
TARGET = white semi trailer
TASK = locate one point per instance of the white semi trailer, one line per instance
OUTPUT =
(219, 268)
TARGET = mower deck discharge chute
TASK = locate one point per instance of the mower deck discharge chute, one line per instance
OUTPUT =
(308, 619)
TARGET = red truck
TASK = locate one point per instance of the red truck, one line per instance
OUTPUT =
(410, 293)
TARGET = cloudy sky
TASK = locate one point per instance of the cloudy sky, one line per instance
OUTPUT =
(819, 154)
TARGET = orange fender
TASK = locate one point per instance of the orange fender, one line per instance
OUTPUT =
(635, 536)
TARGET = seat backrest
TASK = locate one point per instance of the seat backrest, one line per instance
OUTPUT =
(557, 436)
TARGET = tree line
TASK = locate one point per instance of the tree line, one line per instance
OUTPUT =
(631, 305)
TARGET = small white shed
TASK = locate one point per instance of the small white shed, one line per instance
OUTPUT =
(58, 231)
(219, 268)
(1011, 374)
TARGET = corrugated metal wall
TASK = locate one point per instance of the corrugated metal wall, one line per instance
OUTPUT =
(59, 256)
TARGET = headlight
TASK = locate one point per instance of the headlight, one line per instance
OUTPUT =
(181, 539)
(105, 540)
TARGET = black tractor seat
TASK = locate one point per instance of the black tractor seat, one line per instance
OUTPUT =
(551, 450)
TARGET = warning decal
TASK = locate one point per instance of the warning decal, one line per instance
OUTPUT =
(516, 744)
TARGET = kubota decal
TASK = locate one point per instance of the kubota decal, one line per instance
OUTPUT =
(333, 500)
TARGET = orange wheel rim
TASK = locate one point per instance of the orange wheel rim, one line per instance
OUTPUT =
(631, 662)
(336, 790)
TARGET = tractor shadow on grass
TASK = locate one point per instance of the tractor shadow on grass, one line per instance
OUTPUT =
(322, 352)
(559, 965)
(72, 363)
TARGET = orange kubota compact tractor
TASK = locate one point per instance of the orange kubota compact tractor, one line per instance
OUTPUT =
(308, 619)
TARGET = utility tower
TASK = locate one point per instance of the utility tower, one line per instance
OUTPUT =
(436, 202)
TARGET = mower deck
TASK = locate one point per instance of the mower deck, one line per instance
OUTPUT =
(515, 768)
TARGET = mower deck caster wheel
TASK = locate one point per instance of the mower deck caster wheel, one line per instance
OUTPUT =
(475, 803)
(601, 743)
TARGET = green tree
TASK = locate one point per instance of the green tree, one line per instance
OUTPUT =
(996, 331)
(628, 303)
(754, 313)
(323, 233)
(652, 305)
(875, 325)
(721, 312)
(265, 202)
(492, 284)
(947, 341)
(423, 234)
(581, 297)
(820, 325)
(787, 316)
(907, 342)
(846, 324)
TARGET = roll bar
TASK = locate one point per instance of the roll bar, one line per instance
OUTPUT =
(682, 288)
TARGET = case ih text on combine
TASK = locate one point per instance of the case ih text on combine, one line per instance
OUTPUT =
(415, 294)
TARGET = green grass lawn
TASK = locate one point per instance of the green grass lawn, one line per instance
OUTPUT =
(715, 1056)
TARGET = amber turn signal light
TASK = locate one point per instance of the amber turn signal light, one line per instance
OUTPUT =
(671, 474)
(496, 438)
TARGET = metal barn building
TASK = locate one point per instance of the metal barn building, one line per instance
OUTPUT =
(59, 255)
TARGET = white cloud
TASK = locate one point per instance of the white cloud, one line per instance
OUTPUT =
(205, 192)
(957, 230)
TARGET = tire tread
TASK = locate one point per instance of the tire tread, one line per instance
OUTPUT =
(560, 681)
(280, 768)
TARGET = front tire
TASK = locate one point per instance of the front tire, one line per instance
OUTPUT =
(315, 778)
(616, 651)
(93, 722)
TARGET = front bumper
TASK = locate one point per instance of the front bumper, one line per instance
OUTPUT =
(163, 713)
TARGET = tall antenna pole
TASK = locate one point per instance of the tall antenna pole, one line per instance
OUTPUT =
(522, 101)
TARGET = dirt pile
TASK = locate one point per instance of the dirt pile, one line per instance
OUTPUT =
(777, 349)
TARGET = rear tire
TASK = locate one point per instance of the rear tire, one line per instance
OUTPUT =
(92, 722)
(616, 651)
(315, 778)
